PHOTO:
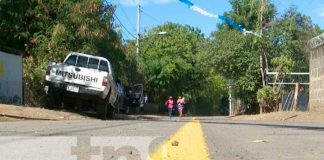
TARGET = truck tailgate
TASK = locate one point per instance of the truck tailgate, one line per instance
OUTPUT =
(77, 75)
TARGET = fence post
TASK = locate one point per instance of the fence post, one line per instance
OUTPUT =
(296, 97)
(280, 104)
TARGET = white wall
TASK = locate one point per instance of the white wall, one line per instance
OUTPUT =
(11, 89)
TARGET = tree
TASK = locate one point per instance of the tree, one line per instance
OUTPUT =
(132, 73)
(269, 97)
(288, 35)
(240, 58)
(211, 97)
(249, 12)
(174, 64)
(170, 62)
(234, 56)
(48, 30)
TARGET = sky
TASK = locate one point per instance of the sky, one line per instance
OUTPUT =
(158, 12)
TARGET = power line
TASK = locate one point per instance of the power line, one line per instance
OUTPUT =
(124, 27)
(127, 17)
(148, 15)
(121, 24)
(125, 34)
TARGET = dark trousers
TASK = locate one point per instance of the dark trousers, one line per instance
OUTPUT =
(170, 112)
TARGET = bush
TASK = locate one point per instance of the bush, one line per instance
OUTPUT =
(268, 98)
(34, 74)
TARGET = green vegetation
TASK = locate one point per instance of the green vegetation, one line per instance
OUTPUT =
(180, 62)
(48, 30)
(170, 62)
(239, 58)
(173, 64)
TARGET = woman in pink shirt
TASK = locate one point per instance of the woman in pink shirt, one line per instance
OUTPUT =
(169, 103)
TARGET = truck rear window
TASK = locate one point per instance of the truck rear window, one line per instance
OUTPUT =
(103, 66)
(71, 60)
(93, 63)
(83, 61)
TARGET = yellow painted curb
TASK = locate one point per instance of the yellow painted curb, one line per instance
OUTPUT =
(188, 143)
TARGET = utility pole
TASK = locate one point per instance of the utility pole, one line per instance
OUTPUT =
(138, 30)
(230, 100)
(262, 54)
(261, 16)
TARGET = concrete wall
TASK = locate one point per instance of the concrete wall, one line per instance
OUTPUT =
(316, 69)
(11, 88)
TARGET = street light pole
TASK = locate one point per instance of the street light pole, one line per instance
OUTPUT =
(138, 30)
(230, 98)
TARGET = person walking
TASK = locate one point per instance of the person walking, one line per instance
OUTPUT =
(183, 103)
(145, 98)
(180, 103)
(169, 103)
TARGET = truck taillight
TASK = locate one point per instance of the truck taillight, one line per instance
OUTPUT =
(48, 70)
(105, 82)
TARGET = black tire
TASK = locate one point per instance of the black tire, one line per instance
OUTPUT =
(111, 112)
(52, 100)
(106, 110)
(102, 110)
(102, 107)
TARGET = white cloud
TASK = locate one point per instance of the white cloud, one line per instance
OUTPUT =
(143, 2)
(164, 1)
(131, 2)
(320, 11)
(322, 14)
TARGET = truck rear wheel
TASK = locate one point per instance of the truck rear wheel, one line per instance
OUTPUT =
(106, 110)
(111, 112)
(102, 110)
(52, 99)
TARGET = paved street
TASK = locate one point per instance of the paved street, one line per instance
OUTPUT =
(205, 137)
(281, 140)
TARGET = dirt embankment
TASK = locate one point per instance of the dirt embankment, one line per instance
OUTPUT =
(284, 116)
(12, 113)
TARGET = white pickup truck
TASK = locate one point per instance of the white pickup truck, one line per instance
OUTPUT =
(86, 78)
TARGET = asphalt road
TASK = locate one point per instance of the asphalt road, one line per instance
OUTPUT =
(221, 139)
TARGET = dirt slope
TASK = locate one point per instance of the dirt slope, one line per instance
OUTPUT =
(284, 116)
(11, 112)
